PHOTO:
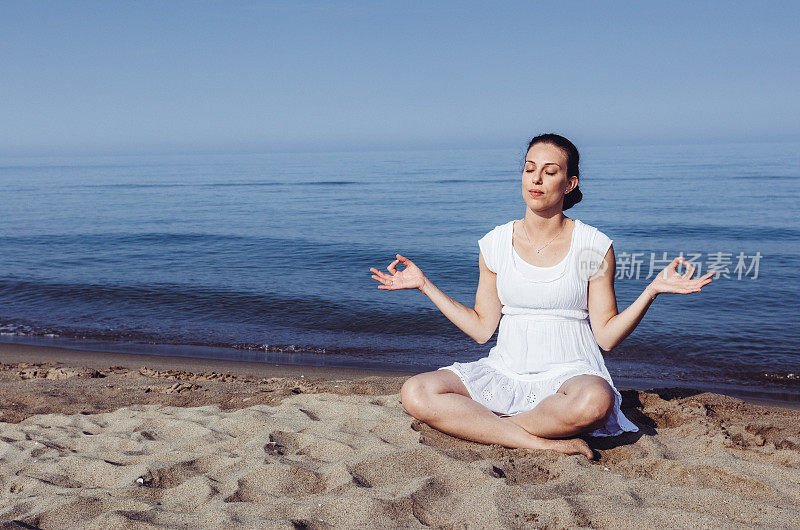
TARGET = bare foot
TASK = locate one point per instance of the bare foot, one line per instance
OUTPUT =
(573, 446)
(568, 446)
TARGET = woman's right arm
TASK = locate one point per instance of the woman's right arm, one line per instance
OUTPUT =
(479, 323)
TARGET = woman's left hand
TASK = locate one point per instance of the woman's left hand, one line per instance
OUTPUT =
(670, 281)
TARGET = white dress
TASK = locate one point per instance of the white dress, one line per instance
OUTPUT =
(544, 336)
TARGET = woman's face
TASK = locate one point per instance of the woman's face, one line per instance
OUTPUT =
(545, 172)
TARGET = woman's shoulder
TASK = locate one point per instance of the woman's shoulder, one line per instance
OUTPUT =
(492, 245)
(593, 240)
(592, 231)
(593, 247)
(499, 228)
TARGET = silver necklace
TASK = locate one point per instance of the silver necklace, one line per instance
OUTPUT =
(529, 239)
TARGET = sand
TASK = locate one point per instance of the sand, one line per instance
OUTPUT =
(112, 441)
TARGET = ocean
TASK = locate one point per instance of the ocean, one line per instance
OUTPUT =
(266, 257)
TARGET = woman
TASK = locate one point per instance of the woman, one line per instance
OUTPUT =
(545, 380)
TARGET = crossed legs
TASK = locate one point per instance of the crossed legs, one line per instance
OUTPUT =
(582, 404)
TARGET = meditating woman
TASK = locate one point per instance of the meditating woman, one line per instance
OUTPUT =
(545, 381)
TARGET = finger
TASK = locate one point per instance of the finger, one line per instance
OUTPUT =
(388, 279)
(689, 271)
(380, 273)
(391, 268)
(677, 262)
(404, 260)
(385, 281)
(389, 285)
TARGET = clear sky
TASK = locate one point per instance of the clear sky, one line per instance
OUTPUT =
(126, 77)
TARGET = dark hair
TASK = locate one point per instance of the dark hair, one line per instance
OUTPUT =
(573, 158)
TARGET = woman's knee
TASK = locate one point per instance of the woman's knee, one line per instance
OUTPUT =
(417, 391)
(415, 395)
(593, 405)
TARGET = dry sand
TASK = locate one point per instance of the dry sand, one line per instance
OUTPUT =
(145, 442)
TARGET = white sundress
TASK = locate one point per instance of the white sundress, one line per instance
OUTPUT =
(544, 337)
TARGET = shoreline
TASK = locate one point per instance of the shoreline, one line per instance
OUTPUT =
(15, 352)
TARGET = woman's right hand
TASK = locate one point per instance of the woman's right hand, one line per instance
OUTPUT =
(409, 278)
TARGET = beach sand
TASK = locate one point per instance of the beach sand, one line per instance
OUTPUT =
(97, 440)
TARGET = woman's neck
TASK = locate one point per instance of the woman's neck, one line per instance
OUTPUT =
(541, 227)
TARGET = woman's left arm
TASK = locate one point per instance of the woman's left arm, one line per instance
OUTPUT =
(610, 327)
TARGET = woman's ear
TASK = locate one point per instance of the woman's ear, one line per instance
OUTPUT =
(572, 184)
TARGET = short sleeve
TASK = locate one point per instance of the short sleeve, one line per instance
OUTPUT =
(487, 247)
(600, 245)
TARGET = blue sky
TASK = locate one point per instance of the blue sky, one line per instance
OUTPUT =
(128, 77)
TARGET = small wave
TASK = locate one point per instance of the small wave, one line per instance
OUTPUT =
(786, 378)
(164, 301)
(300, 348)
(764, 177)
(129, 186)
(10, 329)
(243, 184)
(33, 330)
(328, 183)
(747, 233)
(468, 181)
(281, 348)
(111, 336)
(103, 240)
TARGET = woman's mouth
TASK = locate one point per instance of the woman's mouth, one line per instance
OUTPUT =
(537, 193)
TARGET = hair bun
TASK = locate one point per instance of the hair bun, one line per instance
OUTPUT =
(572, 198)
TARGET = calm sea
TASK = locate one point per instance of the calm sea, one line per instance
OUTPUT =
(267, 257)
